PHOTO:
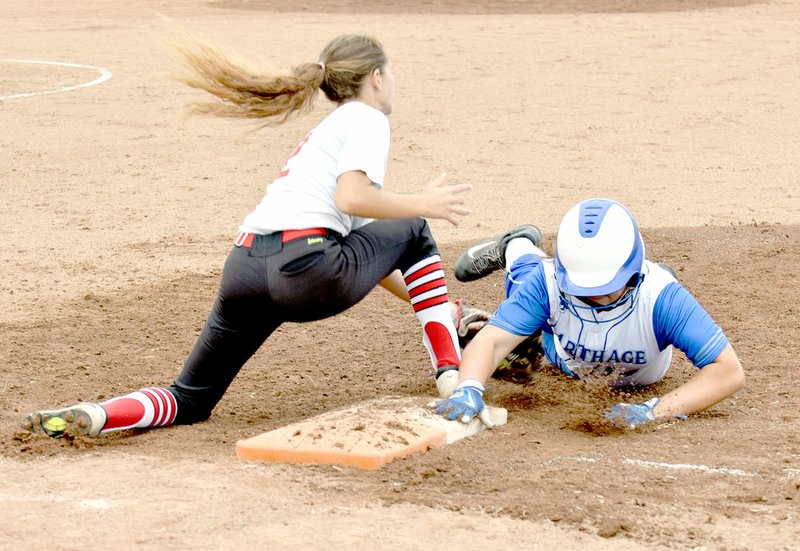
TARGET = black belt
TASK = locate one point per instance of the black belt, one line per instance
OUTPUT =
(245, 239)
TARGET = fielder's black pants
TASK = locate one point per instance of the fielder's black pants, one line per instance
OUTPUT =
(302, 280)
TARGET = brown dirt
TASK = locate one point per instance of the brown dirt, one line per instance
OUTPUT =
(116, 220)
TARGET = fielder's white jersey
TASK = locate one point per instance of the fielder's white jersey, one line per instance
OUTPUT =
(630, 344)
(354, 136)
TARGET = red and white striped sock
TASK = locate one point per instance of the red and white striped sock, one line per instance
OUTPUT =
(428, 292)
(145, 408)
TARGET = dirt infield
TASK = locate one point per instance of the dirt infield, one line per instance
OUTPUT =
(116, 220)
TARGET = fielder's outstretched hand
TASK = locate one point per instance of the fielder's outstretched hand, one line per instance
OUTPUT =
(632, 415)
(444, 202)
(465, 403)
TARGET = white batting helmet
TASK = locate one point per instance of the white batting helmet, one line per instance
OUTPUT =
(599, 249)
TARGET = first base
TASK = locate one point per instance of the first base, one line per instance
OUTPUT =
(366, 436)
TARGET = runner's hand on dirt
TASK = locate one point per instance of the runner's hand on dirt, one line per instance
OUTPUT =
(444, 202)
(465, 403)
(632, 415)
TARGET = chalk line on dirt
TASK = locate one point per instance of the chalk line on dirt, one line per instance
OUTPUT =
(684, 466)
(105, 74)
(661, 465)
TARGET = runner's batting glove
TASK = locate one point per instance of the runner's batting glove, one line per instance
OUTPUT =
(465, 403)
(632, 415)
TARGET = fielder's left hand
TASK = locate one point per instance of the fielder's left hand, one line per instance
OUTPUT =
(468, 321)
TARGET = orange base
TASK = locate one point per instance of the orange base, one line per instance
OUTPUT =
(365, 436)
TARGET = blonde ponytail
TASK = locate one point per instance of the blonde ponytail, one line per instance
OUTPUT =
(245, 91)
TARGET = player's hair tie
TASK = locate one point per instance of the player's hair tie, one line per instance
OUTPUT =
(322, 66)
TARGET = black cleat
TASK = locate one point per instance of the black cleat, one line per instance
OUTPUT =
(488, 256)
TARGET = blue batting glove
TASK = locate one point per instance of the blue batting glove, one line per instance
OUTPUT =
(632, 415)
(465, 403)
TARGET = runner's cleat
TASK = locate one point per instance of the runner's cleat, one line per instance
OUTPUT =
(485, 257)
(84, 419)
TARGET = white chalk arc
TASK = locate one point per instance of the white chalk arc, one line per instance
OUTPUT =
(105, 74)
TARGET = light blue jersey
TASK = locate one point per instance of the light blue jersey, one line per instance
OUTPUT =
(630, 344)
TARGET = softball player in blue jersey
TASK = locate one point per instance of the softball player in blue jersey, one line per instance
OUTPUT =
(324, 235)
(603, 309)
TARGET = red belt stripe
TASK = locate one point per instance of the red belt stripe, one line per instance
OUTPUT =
(291, 235)
(245, 239)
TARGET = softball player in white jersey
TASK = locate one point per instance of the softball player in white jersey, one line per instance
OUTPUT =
(325, 234)
(603, 311)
